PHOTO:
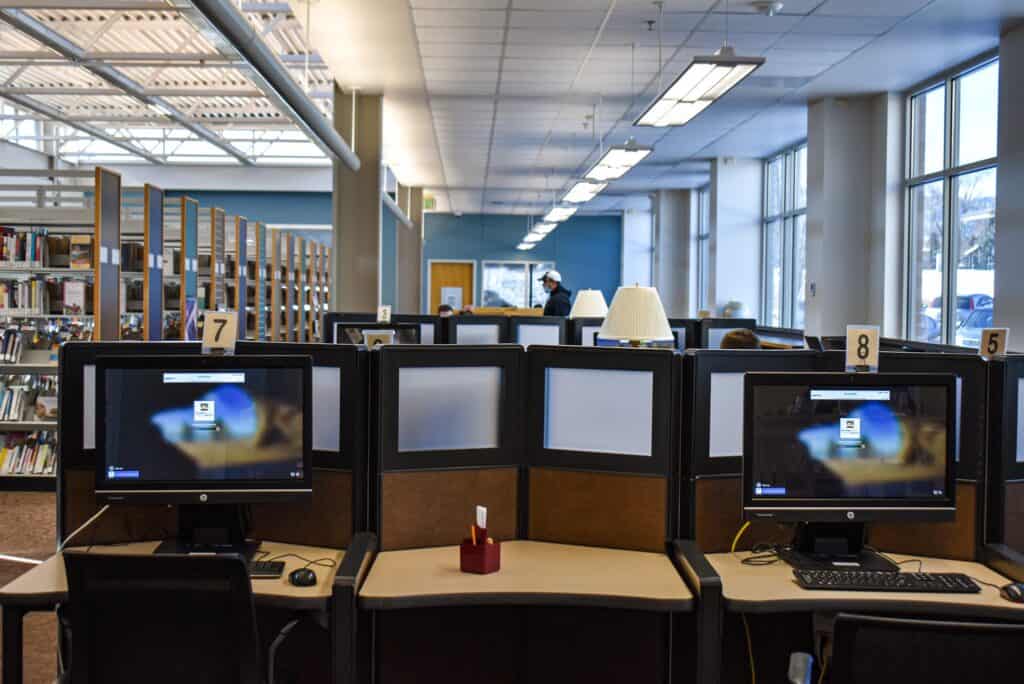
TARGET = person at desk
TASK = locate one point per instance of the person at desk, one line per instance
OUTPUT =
(559, 302)
(740, 338)
(445, 310)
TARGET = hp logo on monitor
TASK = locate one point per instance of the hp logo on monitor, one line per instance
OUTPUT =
(850, 515)
(204, 497)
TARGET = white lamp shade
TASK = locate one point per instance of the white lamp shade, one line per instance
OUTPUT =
(589, 304)
(636, 315)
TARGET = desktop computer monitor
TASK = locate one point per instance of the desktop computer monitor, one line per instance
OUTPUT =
(355, 333)
(833, 450)
(205, 432)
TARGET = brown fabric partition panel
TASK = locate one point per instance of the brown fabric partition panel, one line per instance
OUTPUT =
(436, 507)
(121, 523)
(324, 521)
(957, 539)
(718, 515)
(598, 509)
(1014, 523)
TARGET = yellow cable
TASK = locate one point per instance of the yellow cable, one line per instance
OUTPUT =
(824, 668)
(750, 647)
(736, 539)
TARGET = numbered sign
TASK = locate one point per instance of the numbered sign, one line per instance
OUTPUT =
(220, 330)
(862, 348)
(384, 313)
(993, 342)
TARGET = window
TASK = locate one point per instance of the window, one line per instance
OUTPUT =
(784, 239)
(514, 283)
(704, 249)
(951, 205)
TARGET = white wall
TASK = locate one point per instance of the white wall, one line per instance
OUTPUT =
(247, 178)
(887, 299)
(1009, 285)
(736, 214)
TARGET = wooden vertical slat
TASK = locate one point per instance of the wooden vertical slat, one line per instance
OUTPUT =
(189, 268)
(106, 289)
(289, 292)
(276, 287)
(300, 289)
(312, 297)
(241, 275)
(153, 263)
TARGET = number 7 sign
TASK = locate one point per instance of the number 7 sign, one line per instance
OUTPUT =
(220, 329)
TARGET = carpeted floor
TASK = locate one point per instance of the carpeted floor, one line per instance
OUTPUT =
(29, 530)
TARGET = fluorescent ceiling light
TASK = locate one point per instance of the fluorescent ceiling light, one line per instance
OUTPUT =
(616, 161)
(559, 214)
(533, 237)
(583, 191)
(543, 228)
(702, 82)
(524, 246)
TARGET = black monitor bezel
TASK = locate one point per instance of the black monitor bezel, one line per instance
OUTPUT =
(849, 510)
(233, 492)
(516, 322)
(453, 323)
(577, 329)
(707, 324)
(388, 362)
(665, 422)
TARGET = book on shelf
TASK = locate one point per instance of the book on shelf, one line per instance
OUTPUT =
(23, 397)
(28, 453)
(23, 248)
(74, 297)
(81, 252)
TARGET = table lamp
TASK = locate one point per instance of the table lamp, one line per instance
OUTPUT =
(636, 316)
(589, 304)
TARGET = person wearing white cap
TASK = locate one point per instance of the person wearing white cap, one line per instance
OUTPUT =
(559, 298)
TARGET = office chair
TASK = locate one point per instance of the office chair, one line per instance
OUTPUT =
(879, 650)
(161, 619)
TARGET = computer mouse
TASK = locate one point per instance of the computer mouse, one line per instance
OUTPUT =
(303, 577)
(1013, 592)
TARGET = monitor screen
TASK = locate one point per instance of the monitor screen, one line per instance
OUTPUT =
(198, 426)
(448, 408)
(599, 410)
(587, 333)
(814, 442)
(725, 424)
(477, 333)
(426, 333)
(715, 336)
(538, 334)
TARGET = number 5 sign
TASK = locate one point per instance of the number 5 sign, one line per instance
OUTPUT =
(862, 348)
(993, 341)
(220, 329)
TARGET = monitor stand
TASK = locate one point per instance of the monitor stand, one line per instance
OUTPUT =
(210, 529)
(834, 546)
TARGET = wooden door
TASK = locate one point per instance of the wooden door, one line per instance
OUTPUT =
(450, 274)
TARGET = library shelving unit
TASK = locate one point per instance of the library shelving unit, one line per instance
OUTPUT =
(60, 273)
(142, 263)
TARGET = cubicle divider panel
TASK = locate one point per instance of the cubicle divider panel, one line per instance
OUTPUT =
(107, 256)
(581, 330)
(790, 337)
(332, 318)
(712, 330)
(686, 332)
(153, 263)
(529, 330)
(448, 426)
(352, 333)
(1005, 483)
(189, 269)
(602, 439)
(431, 329)
(476, 330)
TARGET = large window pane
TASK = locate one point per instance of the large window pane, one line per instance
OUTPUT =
(504, 284)
(926, 248)
(977, 96)
(928, 126)
(800, 199)
(774, 267)
(774, 189)
(974, 229)
(799, 270)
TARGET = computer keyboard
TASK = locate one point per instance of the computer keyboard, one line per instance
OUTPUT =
(266, 569)
(910, 582)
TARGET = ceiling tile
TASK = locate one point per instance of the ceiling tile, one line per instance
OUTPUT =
(871, 8)
(460, 50)
(811, 41)
(450, 18)
(459, 35)
(589, 21)
(749, 23)
(851, 26)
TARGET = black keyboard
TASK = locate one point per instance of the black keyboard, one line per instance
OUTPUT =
(266, 569)
(910, 582)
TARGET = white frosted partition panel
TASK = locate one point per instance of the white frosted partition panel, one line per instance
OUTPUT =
(538, 334)
(326, 408)
(426, 333)
(715, 336)
(726, 423)
(449, 408)
(588, 335)
(89, 406)
(599, 410)
(479, 333)
(1020, 421)
(959, 405)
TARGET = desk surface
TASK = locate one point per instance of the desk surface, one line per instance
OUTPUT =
(772, 589)
(532, 573)
(46, 583)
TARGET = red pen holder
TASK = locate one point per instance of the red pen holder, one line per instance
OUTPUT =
(481, 559)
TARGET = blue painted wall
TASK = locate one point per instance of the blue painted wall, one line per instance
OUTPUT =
(587, 250)
(388, 256)
(272, 207)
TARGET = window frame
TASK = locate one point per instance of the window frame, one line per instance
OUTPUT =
(704, 248)
(948, 174)
(526, 265)
(787, 219)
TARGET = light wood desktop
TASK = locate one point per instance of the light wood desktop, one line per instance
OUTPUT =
(533, 573)
(772, 589)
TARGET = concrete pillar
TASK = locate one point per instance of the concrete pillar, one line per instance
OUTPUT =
(1009, 285)
(735, 222)
(410, 252)
(855, 214)
(675, 229)
(357, 204)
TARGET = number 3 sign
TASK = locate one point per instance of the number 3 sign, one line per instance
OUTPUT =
(220, 329)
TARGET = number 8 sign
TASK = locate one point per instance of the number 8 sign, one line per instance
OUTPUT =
(862, 348)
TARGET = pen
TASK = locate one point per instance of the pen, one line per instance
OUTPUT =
(472, 533)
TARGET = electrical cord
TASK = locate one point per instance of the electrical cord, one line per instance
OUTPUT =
(743, 616)
(319, 562)
(824, 669)
(87, 523)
